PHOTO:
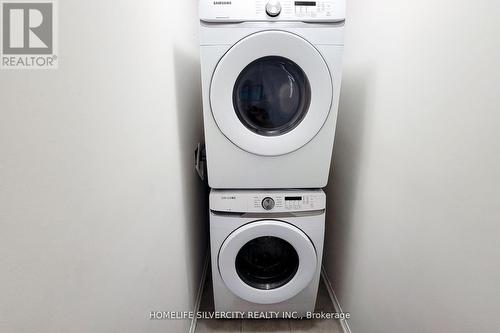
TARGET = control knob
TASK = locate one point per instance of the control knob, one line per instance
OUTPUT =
(268, 203)
(273, 8)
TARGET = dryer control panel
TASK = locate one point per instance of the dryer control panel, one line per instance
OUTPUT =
(272, 201)
(272, 10)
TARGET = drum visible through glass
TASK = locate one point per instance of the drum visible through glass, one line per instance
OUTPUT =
(271, 95)
(267, 262)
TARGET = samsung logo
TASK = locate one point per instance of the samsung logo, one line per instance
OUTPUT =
(222, 2)
(228, 197)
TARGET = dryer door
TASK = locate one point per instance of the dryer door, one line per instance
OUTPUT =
(267, 261)
(271, 93)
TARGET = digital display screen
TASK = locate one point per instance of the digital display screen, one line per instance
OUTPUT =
(293, 198)
(305, 3)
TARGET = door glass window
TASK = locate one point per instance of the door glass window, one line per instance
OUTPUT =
(267, 262)
(271, 95)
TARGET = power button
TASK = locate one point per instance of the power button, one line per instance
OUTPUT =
(268, 203)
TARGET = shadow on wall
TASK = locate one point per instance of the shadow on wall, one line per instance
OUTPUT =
(344, 174)
(190, 125)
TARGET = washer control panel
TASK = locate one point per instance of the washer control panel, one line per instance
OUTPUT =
(272, 201)
(272, 10)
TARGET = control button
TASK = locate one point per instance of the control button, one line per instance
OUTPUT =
(273, 8)
(268, 203)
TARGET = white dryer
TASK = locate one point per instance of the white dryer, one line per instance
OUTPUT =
(271, 74)
(266, 249)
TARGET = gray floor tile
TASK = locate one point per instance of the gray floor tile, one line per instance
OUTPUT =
(266, 325)
(218, 326)
(315, 325)
(323, 301)
(207, 298)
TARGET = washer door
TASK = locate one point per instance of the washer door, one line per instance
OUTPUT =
(267, 261)
(271, 93)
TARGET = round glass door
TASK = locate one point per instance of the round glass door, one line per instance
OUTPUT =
(271, 95)
(267, 261)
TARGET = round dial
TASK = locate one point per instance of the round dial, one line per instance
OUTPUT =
(268, 203)
(273, 8)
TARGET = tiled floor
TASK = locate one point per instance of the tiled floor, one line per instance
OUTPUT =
(323, 303)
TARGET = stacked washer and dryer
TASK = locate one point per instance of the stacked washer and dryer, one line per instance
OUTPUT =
(271, 73)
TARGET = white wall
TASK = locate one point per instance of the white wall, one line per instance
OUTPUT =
(100, 219)
(414, 199)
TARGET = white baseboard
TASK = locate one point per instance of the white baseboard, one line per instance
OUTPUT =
(336, 304)
(199, 294)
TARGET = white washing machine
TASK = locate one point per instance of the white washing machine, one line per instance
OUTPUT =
(271, 74)
(266, 249)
